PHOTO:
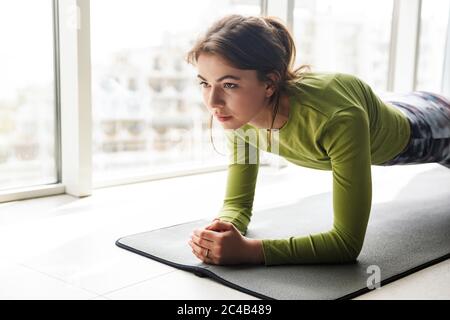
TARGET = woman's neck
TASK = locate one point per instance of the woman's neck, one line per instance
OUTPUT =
(265, 118)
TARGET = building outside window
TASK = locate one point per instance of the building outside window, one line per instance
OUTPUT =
(148, 114)
(347, 36)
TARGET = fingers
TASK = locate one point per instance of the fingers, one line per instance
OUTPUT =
(219, 225)
(203, 258)
(202, 239)
(203, 254)
(206, 234)
(201, 244)
(212, 223)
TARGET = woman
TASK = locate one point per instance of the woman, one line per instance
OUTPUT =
(326, 121)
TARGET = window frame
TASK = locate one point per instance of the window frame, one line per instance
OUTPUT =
(73, 91)
(404, 50)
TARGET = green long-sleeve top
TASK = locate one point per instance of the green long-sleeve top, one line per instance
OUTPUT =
(336, 122)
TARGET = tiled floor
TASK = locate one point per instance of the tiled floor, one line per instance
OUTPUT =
(62, 247)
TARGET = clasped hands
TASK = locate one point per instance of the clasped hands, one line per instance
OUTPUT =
(221, 243)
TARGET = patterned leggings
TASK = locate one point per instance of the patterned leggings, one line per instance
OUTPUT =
(429, 117)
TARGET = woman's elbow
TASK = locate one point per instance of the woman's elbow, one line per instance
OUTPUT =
(350, 246)
(352, 253)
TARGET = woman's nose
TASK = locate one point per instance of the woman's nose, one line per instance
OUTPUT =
(215, 100)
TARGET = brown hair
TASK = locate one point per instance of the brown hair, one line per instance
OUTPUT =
(262, 44)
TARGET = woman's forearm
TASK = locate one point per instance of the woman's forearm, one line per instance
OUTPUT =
(255, 251)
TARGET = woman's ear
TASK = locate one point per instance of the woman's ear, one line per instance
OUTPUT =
(271, 84)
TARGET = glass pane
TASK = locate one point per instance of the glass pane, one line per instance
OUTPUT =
(433, 30)
(147, 109)
(348, 36)
(27, 105)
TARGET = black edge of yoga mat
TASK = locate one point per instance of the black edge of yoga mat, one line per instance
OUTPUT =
(396, 277)
(409, 193)
(202, 272)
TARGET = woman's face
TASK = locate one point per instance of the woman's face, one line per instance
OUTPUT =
(232, 93)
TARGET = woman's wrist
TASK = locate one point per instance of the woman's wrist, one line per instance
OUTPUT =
(255, 250)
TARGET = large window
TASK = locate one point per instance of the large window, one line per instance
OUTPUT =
(27, 104)
(433, 32)
(349, 36)
(148, 116)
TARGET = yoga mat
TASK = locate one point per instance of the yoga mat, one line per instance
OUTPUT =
(406, 234)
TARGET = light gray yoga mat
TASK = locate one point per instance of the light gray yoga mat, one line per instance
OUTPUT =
(404, 235)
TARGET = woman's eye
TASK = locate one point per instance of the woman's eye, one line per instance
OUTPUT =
(232, 84)
(226, 85)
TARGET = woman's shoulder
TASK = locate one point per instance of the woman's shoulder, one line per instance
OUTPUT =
(322, 79)
(327, 92)
(325, 85)
(315, 87)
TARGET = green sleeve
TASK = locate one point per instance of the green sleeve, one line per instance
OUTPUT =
(241, 182)
(346, 139)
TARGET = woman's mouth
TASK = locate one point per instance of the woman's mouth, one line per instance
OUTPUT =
(224, 118)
